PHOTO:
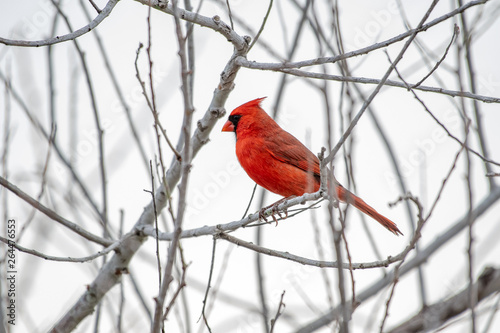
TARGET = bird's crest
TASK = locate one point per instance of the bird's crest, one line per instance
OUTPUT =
(252, 103)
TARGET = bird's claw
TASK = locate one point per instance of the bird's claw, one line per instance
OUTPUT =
(262, 215)
(274, 210)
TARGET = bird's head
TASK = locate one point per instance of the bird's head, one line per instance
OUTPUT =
(247, 117)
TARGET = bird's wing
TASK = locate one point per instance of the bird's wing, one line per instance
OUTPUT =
(286, 148)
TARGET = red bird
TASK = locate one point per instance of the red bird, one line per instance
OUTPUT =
(279, 162)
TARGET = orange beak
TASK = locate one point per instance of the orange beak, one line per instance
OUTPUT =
(228, 127)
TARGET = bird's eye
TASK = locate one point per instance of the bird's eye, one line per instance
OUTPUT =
(235, 118)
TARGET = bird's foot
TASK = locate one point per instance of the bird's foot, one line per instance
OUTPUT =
(262, 214)
(274, 211)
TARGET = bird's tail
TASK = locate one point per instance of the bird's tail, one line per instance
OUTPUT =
(348, 197)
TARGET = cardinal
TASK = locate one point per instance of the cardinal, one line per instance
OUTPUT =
(280, 163)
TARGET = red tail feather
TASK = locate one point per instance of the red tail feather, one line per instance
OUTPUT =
(347, 197)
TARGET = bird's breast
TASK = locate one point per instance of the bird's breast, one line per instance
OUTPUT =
(274, 175)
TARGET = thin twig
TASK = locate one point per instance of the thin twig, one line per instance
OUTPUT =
(391, 83)
(368, 101)
(42, 185)
(368, 49)
(250, 201)
(305, 261)
(97, 122)
(321, 255)
(417, 260)
(396, 271)
(259, 271)
(155, 210)
(278, 312)
(218, 282)
(185, 168)
(493, 174)
(97, 9)
(152, 107)
(420, 225)
(230, 14)
(6, 141)
(451, 306)
(261, 29)
(210, 274)
(293, 48)
(53, 215)
(116, 85)
(180, 287)
(345, 312)
(471, 293)
(456, 31)
(121, 305)
(480, 132)
(67, 162)
(39, 254)
(463, 144)
(349, 259)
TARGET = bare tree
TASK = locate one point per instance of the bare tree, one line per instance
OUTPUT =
(109, 107)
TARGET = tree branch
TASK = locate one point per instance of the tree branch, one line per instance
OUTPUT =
(36, 253)
(322, 76)
(53, 215)
(419, 259)
(64, 38)
(368, 49)
(307, 261)
(214, 23)
(231, 226)
(433, 316)
(110, 274)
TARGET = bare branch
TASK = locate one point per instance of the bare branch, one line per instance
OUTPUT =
(97, 9)
(368, 49)
(456, 31)
(360, 113)
(210, 274)
(266, 16)
(38, 125)
(109, 275)
(36, 253)
(116, 85)
(214, 23)
(417, 260)
(435, 315)
(322, 76)
(306, 261)
(185, 168)
(278, 313)
(152, 107)
(493, 174)
(71, 36)
(231, 226)
(53, 215)
(467, 40)
(97, 122)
